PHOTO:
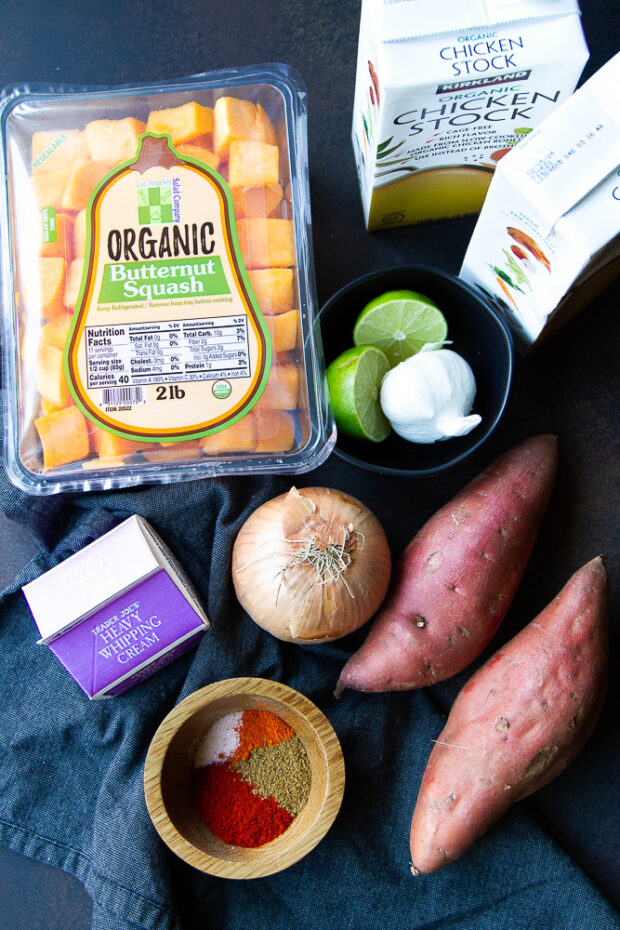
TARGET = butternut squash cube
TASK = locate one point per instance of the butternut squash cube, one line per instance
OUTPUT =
(273, 288)
(253, 164)
(174, 451)
(266, 243)
(48, 187)
(283, 328)
(57, 149)
(282, 388)
(59, 234)
(182, 123)
(201, 153)
(98, 464)
(48, 407)
(52, 285)
(239, 437)
(256, 201)
(63, 436)
(82, 180)
(264, 127)
(55, 332)
(108, 445)
(49, 376)
(113, 140)
(79, 234)
(74, 280)
(233, 119)
(275, 431)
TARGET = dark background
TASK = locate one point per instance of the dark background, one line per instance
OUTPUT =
(569, 387)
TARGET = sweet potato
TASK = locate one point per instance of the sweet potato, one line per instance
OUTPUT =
(456, 579)
(517, 723)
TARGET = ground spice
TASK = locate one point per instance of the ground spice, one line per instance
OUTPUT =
(228, 806)
(257, 803)
(220, 741)
(260, 728)
(282, 772)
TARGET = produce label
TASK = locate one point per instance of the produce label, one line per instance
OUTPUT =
(167, 341)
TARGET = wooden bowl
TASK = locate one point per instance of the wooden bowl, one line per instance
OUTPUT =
(169, 774)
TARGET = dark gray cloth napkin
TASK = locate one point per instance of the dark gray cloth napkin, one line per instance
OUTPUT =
(71, 770)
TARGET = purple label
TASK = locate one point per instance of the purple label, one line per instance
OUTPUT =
(142, 626)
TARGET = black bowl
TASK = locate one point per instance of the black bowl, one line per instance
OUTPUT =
(476, 333)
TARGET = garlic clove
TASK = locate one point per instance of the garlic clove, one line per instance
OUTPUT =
(450, 425)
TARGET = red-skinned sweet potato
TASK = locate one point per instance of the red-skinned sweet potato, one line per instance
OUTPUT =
(517, 723)
(455, 581)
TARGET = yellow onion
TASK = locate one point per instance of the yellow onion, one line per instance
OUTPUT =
(311, 565)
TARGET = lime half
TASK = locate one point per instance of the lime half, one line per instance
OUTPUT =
(354, 382)
(400, 323)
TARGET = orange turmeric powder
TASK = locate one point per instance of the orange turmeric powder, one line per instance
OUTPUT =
(259, 728)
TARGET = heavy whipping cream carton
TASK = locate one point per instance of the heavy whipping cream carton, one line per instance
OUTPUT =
(118, 610)
(548, 238)
(445, 88)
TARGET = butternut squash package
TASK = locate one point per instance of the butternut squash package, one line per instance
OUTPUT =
(157, 282)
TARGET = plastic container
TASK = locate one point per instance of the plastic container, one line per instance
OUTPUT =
(158, 283)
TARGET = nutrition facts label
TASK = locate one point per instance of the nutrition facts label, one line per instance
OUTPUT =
(135, 354)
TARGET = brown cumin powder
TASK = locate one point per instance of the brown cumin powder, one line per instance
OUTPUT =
(282, 772)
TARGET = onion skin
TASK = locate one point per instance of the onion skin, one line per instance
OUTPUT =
(286, 599)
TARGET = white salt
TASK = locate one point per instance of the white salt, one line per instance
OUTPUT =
(220, 741)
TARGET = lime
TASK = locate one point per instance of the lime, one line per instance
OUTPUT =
(354, 382)
(400, 323)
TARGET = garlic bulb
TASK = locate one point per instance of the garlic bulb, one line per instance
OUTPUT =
(428, 396)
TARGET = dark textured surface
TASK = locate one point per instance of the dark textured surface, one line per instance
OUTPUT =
(569, 387)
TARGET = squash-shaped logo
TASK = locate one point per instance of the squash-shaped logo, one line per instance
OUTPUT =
(167, 341)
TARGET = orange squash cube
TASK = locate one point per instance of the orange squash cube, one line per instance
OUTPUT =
(64, 437)
(49, 376)
(55, 332)
(264, 127)
(79, 234)
(107, 445)
(111, 445)
(239, 437)
(57, 149)
(51, 286)
(233, 119)
(253, 164)
(201, 153)
(113, 140)
(275, 431)
(266, 243)
(74, 280)
(47, 406)
(273, 288)
(82, 180)
(60, 236)
(256, 201)
(284, 328)
(282, 388)
(97, 464)
(174, 451)
(182, 123)
(48, 187)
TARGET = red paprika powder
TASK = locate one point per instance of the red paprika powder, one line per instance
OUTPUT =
(252, 795)
(228, 806)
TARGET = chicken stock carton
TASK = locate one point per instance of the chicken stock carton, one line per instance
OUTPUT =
(548, 238)
(445, 88)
